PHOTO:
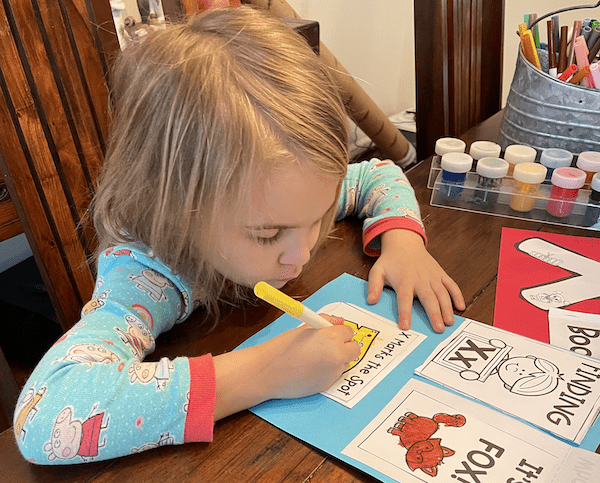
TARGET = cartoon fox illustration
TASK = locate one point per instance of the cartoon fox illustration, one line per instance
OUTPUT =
(423, 451)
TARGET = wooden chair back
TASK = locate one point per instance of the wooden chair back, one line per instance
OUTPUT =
(54, 56)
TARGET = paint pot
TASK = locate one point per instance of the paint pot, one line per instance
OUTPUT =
(589, 161)
(449, 145)
(455, 167)
(528, 176)
(517, 154)
(565, 188)
(554, 158)
(484, 149)
(592, 212)
(490, 173)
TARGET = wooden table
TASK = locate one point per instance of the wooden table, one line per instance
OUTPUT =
(246, 448)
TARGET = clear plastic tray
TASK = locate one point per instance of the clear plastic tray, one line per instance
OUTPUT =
(497, 201)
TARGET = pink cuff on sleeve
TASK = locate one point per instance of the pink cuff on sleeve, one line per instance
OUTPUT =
(199, 422)
(386, 224)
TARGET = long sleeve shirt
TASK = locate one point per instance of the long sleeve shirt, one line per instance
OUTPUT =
(92, 396)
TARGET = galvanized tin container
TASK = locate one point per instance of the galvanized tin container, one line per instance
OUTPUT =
(543, 112)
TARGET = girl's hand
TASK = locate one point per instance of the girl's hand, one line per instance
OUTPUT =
(297, 363)
(306, 361)
(407, 267)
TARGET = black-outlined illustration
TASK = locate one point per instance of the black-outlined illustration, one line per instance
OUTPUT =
(138, 337)
(72, 436)
(476, 358)
(27, 408)
(165, 439)
(364, 336)
(552, 388)
(382, 347)
(147, 372)
(89, 354)
(582, 284)
(152, 283)
(415, 434)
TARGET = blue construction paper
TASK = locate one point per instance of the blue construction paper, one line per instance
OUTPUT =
(330, 426)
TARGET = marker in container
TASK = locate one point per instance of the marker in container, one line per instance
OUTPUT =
(588, 161)
(565, 188)
(594, 36)
(518, 153)
(552, 64)
(582, 61)
(484, 149)
(577, 78)
(592, 212)
(554, 158)
(490, 173)
(455, 167)
(528, 177)
(595, 73)
(568, 73)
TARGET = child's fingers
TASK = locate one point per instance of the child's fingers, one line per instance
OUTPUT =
(352, 351)
(430, 302)
(404, 300)
(332, 319)
(445, 304)
(375, 286)
(455, 294)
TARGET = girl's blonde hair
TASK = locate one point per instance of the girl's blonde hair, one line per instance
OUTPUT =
(201, 109)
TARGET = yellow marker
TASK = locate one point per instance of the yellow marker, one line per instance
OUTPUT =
(284, 302)
(528, 48)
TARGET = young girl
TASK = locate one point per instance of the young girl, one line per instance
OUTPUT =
(227, 165)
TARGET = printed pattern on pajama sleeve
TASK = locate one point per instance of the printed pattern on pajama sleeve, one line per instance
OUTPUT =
(92, 397)
(379, 192)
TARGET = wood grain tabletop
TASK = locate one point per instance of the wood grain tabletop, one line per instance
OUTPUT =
(247, 449)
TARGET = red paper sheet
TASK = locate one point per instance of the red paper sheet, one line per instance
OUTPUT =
(558, 271)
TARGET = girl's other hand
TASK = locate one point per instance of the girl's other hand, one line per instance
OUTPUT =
(407, 267)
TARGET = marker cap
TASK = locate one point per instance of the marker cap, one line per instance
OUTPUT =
(492, 167)
(595, 185)
(457, 162)
(530, 173)
(519, 153)
(568, 178)
(589, 161)
(556, 158)
(449, 145)
(484, 149)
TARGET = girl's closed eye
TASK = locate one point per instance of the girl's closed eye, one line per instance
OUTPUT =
(268, 237)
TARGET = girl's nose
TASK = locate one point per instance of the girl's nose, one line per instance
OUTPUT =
(296, 250)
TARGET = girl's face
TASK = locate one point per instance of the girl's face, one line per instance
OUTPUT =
(271, 238)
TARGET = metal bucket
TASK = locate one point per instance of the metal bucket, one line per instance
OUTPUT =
(543, 112)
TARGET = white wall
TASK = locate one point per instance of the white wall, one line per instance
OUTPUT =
(374, 41)
(13, 251)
